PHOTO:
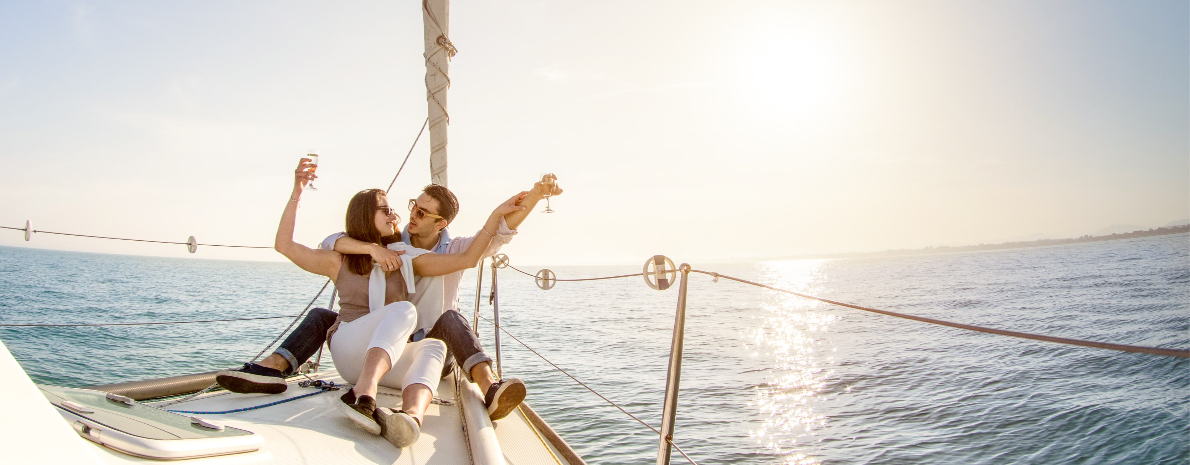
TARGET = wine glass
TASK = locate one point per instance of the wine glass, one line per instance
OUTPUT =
(547, 188)
(312, 154)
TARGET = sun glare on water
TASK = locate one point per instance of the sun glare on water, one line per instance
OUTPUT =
(794, 335)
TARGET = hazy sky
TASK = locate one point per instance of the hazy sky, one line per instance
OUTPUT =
(700, 130)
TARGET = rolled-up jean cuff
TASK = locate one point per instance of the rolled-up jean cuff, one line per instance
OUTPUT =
(473, 360)
(293, 363)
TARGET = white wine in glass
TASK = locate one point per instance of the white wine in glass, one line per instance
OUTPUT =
(547, 189)
(313, 156)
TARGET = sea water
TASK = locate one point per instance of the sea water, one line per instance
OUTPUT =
(767, 377)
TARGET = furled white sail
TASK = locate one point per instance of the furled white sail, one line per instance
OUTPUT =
(438, 51)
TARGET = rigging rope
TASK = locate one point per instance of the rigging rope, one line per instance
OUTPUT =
(613, 404)
(1001, 332)
(262, 351)
(680, 451)
(584, 385)
(402, 168)
(390, 187)
(294, 322)
(318, 384)
(1182, 353)
(146, 323)
(580, 279)
(443, 43)
(135, 240)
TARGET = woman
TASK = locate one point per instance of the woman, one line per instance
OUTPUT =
(370, 341)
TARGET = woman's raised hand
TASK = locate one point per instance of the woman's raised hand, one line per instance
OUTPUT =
(303, 174)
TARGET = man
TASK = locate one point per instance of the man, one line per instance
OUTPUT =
(430, 214)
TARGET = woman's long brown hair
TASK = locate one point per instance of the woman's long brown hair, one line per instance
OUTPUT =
(361, 226)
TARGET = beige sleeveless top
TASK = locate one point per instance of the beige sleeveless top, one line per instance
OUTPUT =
(353, 294)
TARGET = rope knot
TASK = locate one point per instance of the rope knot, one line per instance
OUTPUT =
(444, 42)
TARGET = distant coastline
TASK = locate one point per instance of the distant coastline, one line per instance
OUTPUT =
(1165, 230)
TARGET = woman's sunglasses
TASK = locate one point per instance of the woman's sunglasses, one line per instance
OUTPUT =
(389, 211)
(420, 213)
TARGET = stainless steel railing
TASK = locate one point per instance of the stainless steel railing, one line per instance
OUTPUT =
(659, 273)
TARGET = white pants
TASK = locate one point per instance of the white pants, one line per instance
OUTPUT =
(389, 328)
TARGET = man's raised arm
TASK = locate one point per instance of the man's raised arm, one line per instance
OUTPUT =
(467, 252)
(389, 260)
(535, 195)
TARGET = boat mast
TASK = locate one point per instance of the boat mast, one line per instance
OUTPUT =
(438, 51)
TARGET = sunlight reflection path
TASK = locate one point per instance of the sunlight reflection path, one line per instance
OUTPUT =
(796, 337)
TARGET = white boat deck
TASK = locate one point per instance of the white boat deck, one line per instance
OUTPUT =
(314, 431)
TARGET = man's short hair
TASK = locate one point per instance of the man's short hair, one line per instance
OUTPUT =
(448, 204)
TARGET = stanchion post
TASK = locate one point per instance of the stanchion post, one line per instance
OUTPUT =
(478, 292)
(496, 320)
(674, 375)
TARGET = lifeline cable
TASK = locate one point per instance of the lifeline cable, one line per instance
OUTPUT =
(580, 279)
(316, 296)
(1183, 353)
(680, 451)
(262, 351)
(584, 385)
(390, 187)
(613, 404)
(295, 320)
(146, 323)
(135, 240)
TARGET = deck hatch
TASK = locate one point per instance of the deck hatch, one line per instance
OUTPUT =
(137, 429)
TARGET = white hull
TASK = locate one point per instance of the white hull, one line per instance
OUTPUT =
(311, 430)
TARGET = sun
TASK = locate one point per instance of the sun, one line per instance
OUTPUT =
(792, 72)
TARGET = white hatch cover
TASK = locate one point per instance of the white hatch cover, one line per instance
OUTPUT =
(133, 428)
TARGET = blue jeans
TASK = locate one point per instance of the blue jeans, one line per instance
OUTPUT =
(461, 344)
(451, 328)
(304, 341)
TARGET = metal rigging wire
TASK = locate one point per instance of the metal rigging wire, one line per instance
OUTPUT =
(262, 351)
(613, 404)
(584, 385)
(134, 240)
(680, 451)
(580, 279)
(1183, 353)
(317, 295)
(402, 168)
(145, 323)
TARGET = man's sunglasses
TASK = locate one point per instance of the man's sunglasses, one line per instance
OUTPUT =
(420, 213)
(389, 211)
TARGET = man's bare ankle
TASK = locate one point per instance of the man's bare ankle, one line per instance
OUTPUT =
(483, 376)
(275, 362)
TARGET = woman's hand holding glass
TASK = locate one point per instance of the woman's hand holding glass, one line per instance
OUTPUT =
(304, 174)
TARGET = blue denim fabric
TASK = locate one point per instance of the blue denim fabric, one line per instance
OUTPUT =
(462, 344)
(309, 336)
(451, 328)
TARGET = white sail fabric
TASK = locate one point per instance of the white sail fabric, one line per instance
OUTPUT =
(438, 51)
